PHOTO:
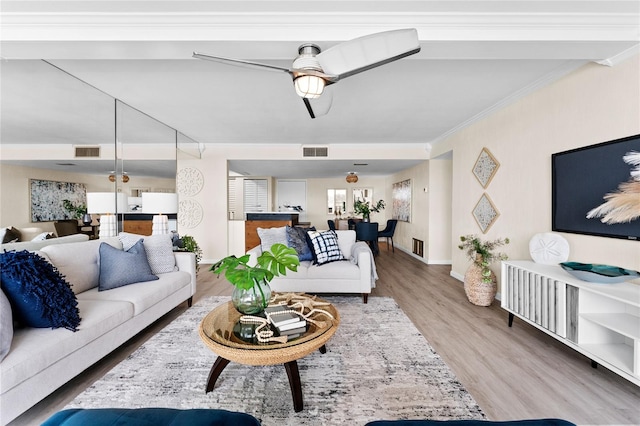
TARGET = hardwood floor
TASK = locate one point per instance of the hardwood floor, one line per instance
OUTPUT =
(513, 373)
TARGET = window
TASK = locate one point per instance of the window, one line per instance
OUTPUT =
(256, 195)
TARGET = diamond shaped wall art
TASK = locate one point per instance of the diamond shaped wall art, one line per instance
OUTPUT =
(485, 213)
(485, 168)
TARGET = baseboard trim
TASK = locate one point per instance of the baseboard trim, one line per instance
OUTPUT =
(423, 259)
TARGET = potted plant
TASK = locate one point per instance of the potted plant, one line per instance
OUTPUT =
(363, 208)
(252, 292)
(479, 281)
(77, 212)
(188, 243)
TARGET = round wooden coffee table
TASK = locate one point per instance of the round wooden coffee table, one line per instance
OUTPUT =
(216, 331)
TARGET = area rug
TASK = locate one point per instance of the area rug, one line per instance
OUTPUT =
(377, 366)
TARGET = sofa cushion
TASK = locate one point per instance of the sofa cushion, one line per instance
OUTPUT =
(128, 239)
(119, 268)
(142, 295)
(325, 246)
(271, 236)
(334, 271)
(159, 250)
(35, 349)
(37, 245)
(79, 262)
(6, 325)
(297, 238)
(346, 240)
(38, 293)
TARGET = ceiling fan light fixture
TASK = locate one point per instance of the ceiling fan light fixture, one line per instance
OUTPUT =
(309, 86)
(352, 177)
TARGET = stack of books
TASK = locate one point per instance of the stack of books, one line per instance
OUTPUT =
(286, 323)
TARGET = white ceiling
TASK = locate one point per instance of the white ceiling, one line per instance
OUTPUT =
(476, 57)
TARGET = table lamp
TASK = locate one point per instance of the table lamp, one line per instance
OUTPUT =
(160, 204)
(106, 204)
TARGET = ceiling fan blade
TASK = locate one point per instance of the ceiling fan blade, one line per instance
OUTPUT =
(241, 62)
(363, 53)
(318, 107)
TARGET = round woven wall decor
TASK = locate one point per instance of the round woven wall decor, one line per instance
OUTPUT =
(190, 213)
(189, 181)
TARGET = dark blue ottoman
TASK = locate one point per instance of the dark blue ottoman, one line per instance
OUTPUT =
(150, 417)
(531, 422)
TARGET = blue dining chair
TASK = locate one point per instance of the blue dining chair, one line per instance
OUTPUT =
(388, 232)
(368, 232)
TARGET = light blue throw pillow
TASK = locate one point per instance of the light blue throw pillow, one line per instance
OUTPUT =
(119, 268)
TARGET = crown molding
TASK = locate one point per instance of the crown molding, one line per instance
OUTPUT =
(327, 21)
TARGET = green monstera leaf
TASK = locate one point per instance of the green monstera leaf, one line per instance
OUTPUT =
(270, 263)
(280, 259)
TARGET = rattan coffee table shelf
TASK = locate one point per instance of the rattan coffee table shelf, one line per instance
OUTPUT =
(216, 331)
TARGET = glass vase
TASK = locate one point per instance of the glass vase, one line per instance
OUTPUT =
(252, 301)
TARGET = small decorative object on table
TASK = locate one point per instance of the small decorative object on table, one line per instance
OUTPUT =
(602, 274)
(252, 292)
(479, 281)
(286, 317)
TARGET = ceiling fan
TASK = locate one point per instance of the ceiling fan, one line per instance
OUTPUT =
(313, 70)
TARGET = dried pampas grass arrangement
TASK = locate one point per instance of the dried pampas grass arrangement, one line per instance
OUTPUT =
(623, 205)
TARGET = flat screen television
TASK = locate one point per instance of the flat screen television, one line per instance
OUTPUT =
(580, 180)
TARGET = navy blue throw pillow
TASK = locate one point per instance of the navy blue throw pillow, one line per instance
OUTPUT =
(119, 268)
(39, 295)
(297, 238)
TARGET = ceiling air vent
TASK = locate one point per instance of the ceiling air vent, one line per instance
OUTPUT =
(87, 151)
(315, 151)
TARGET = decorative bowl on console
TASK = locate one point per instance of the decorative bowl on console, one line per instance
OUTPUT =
(602, 274)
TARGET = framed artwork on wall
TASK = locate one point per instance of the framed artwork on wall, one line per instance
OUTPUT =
(47, 199)
(485, 213)
(485, 167)
(401, 199)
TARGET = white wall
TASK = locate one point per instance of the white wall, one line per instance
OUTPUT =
(591, 105)
(440, 198)
(418, 227)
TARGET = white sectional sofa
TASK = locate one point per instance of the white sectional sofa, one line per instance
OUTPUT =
(355, 274)
(41, 359)
(37, 245)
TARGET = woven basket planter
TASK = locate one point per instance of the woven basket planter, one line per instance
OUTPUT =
(478, 292)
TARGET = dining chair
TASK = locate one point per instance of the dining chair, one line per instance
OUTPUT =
(332, 224)
(388, 232)
(368, 232)
(66, 227)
